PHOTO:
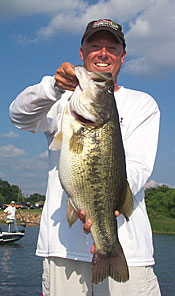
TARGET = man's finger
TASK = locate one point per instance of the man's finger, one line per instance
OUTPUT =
(82, 215)
(65, 77)
(93, 248)
(116, 213)
(87, 225)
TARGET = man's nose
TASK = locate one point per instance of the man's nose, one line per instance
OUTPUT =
(103, 52)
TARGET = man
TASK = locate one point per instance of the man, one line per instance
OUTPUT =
(39, 108)
(11, 210)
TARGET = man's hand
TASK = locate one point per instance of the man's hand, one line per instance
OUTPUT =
(88, 223)
(65, 77)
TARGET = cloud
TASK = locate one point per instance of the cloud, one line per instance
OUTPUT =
(10, 135)
(33, 188)
(153, 183)
(150, 39)
(17, 166)
(149, 26)
(43, 155)
(10, 151)
(13, 8)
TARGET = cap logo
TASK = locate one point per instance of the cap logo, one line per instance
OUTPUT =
(106, 23)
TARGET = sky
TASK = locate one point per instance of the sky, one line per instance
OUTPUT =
(37, 36)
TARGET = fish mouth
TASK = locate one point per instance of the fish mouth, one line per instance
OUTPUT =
(82, 119)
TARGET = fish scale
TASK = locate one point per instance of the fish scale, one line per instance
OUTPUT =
(92, 169)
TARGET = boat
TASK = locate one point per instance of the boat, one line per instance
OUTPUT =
(10, 236)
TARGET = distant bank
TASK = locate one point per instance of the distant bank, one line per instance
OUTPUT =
(32, 218)
(29, 217)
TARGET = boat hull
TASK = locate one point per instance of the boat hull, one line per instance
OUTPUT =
(8, 237)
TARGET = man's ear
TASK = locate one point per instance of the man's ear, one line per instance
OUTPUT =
(123, 56)
(81, 53)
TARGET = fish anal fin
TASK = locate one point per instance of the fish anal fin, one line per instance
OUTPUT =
(127, 207)
(56, 143)
(113, 265)
(71, 214)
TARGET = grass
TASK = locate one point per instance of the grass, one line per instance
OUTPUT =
(30, 211)
(163, 225)
(159, 224)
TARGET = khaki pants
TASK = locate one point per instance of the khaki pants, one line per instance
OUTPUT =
(65, 277)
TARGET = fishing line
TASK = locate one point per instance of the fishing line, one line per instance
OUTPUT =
(24, 223)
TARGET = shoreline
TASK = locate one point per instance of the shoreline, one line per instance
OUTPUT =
(26, 216)
(32, 218)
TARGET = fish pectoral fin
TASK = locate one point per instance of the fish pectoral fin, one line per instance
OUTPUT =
(56, 143)
(127, 207)
(76, 143)
(71, 214)
(113, 264)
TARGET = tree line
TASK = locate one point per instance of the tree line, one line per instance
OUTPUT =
(160, 201)
(13, 192)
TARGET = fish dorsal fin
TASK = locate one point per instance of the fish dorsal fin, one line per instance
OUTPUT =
(56, 143)
(127, 207)
(71, 214)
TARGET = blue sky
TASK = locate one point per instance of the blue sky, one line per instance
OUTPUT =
(37, 36)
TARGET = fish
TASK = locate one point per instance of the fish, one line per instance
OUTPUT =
(92, 169)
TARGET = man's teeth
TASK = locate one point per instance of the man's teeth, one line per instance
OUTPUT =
(101, 65)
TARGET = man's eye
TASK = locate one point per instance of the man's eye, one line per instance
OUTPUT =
(95, 46)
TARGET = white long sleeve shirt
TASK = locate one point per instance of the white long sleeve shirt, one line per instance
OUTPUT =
(11, 212)
(39, 108)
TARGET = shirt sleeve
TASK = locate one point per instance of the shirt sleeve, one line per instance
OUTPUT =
(7, 210)
(28, 111)
(141, 142)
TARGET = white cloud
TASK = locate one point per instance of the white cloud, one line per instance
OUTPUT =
(14, 8)
(10, 135)
(17, 166)
(151, 39)
(149, 26)
(43, 155)
(10, 151)
(34, 188)
(153, 183)
(78, 16)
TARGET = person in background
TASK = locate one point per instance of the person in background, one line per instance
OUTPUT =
(11, 210)
(66, 252)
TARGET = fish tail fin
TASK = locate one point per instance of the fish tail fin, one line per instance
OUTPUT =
(113, 265)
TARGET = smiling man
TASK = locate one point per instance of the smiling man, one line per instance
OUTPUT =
(103, 50)
(39, 108)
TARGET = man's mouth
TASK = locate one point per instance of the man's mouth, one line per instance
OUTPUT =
(102, 64)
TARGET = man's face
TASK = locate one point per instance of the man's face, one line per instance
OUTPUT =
(102, 53)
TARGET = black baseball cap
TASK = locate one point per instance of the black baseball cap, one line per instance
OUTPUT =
(102, 25)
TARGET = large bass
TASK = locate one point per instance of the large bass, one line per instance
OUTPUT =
(92, 169)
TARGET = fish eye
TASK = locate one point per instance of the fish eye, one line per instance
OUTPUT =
(111, 89)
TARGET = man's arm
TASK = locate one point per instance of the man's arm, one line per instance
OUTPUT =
(140, 145)
(31, 106)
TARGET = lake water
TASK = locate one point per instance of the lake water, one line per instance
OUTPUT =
(20, 269)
